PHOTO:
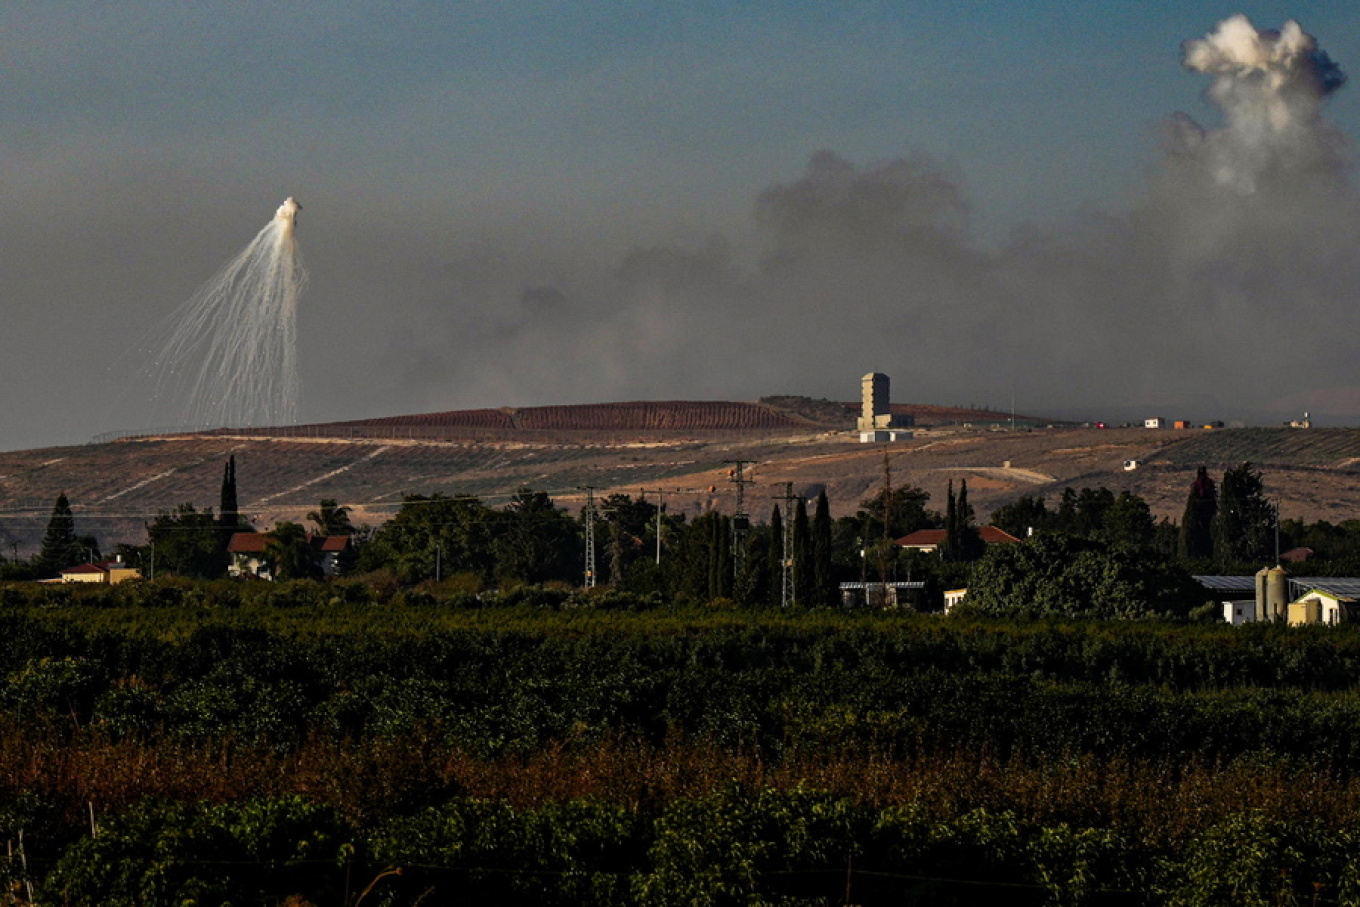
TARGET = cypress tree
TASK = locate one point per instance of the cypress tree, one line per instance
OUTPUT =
(968, 543)
(1197, 524)
(949, 550)
(60, 548)
(228, 514)
(803, 591)
(823, 574)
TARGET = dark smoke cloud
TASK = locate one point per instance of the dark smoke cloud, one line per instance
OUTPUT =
(1229, 289)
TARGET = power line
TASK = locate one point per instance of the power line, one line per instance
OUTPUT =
(741, 521)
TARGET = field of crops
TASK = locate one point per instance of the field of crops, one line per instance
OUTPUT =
(257, 742)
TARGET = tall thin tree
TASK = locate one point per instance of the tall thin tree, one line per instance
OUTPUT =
(1196, 539)
(228, 512)
(823, 576)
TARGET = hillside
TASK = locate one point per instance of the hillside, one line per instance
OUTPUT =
(114, 487)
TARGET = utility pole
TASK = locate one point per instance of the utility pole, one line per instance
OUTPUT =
(590, 534)
(741, 521)
(788, 596)
(884, 548)
(660, 506)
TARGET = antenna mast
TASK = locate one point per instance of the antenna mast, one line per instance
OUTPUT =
(590, 534)
(788, 593)
(741, 521)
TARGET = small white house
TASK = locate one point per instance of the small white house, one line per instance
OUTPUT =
(1239, 612)
(1318, 606)
(1154, 422)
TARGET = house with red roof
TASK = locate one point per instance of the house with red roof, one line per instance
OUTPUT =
(111, 572)
(247, 554)
(933, 539)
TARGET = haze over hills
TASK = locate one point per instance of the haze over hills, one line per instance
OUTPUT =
(116, 486)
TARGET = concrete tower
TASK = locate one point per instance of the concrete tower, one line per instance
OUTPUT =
(876, 421)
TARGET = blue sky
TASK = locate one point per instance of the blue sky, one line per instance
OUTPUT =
(449, 155)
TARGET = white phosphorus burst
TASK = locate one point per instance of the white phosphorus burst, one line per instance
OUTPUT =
(229, 354)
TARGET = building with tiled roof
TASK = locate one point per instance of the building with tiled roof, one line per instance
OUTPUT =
(247, 550)
(112, 572)
(933, 539)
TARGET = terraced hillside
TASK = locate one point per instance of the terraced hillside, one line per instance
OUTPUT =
(115, 487)
(1332, 448)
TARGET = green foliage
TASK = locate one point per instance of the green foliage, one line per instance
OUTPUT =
(1056, 574)
(1098, 513)
(61, 547)
(577, 852)
(331, 519)
(1251, 860)
(1258, 728)
(188, 542)
(1022, 515)
(738, 846)
(159, 853)
(1245, 522)
(288, 553)
(457, 531)
(823, 593)
(536, 542)
(1197, 525)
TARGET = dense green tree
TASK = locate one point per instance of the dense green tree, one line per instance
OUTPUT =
(628, 525)
(753, 583)
(1197, 523)
(187, 542)
(1329, 542)
(61, 547)
(1244, 527)
(691, 567)
(906, 512)
(1022, 515)
(537, 542)
(288, 553)
(1129, 521)
(456, 532)
(857, 539)
(1059, 574)
(1093, 507)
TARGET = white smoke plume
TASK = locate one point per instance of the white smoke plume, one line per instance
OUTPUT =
(1270, 86)
(1231, 286)
(228, 356)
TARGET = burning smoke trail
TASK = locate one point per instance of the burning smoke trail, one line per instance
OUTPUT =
(1270, 86)
(229, 354)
